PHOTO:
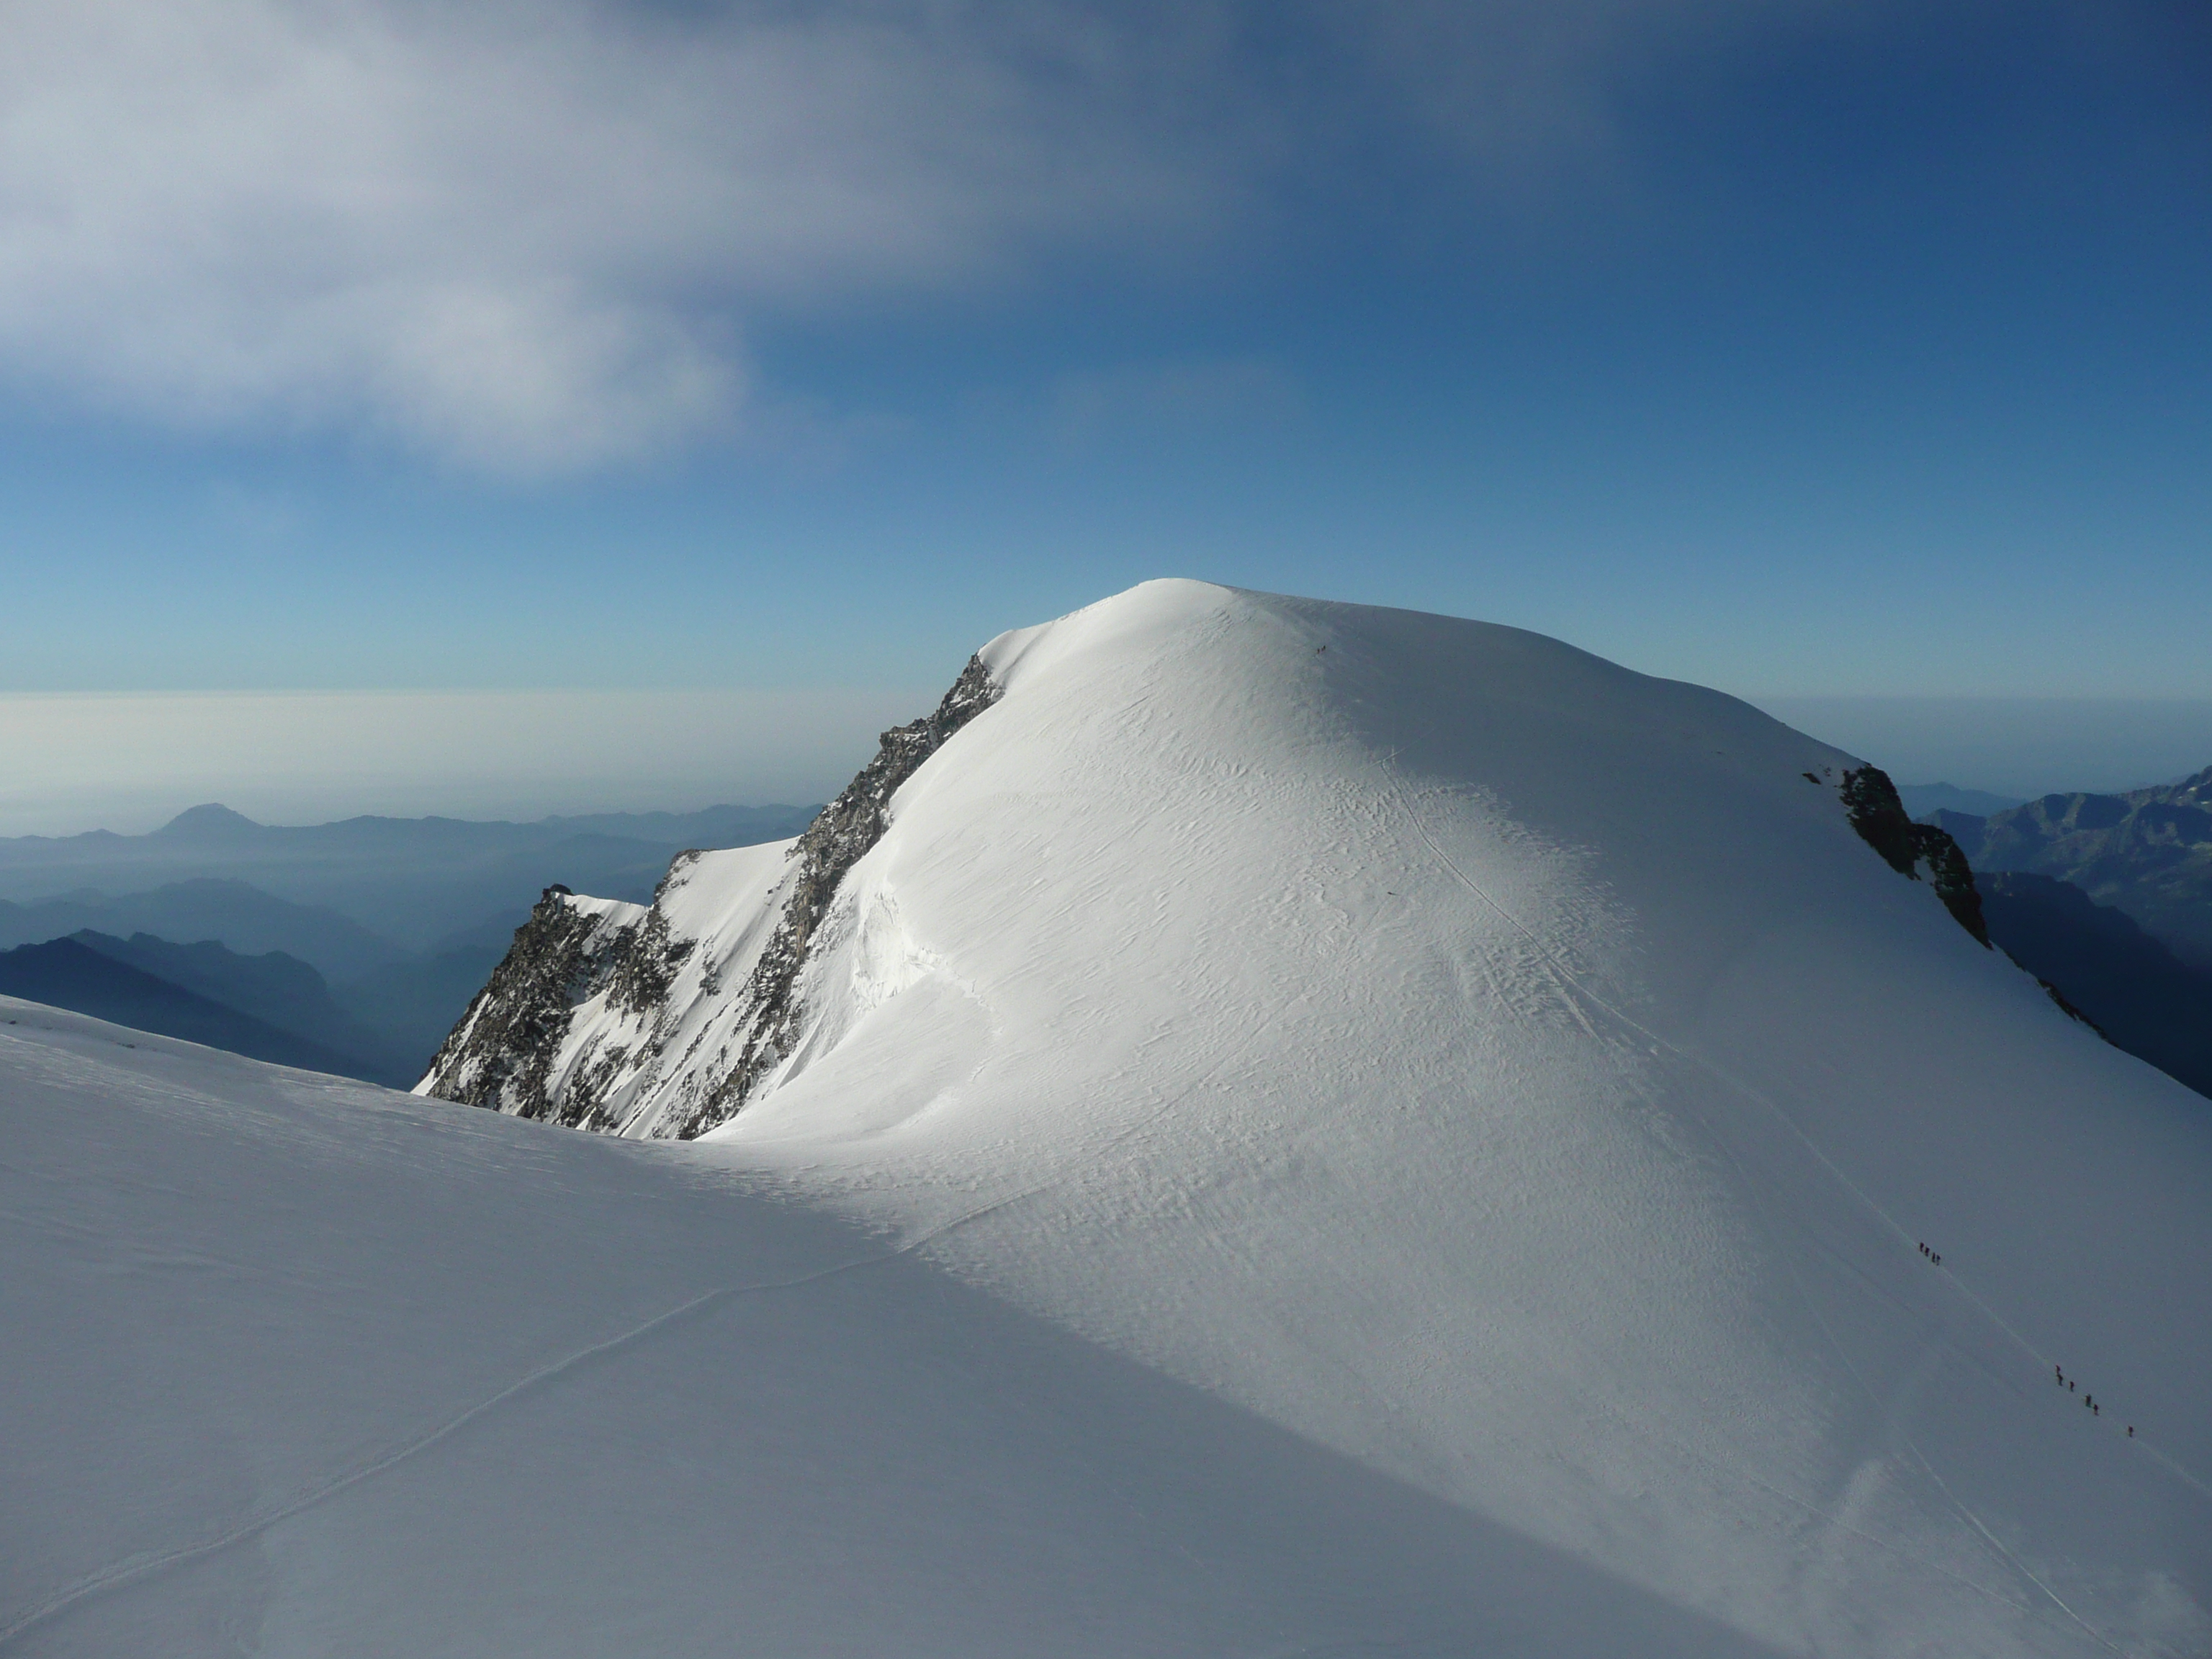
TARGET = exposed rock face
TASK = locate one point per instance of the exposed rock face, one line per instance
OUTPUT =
(1870, 800)
(502, 1053)
(833, 843)
(514, 1051)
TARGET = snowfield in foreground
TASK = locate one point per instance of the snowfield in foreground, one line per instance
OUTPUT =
(1312, 1131)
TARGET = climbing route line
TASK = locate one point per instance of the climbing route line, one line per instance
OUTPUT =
(1862, 1199)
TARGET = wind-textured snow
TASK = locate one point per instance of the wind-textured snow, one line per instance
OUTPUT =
(1314, 1130)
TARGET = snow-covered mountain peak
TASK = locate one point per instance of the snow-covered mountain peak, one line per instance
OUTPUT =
(1510, 1071)
(1179, 720)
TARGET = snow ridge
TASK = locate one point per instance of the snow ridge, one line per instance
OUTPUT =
(833, 844)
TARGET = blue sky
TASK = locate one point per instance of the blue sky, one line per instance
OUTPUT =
(1800, 348)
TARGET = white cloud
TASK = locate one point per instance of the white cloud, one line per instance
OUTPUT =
(528, 236)
(504, 232)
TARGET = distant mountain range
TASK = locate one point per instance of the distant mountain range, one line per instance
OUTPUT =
(235, 913)
(364, 938)
(219, 960)
(277, 989)
(411, 882)
(1922, 799)
(79, 975)
(2148, 852)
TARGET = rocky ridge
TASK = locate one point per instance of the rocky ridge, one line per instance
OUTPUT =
(832, 845)
(511, 1053)
(501, 1055)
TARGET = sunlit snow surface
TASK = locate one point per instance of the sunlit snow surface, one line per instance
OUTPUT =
(1317, 1131)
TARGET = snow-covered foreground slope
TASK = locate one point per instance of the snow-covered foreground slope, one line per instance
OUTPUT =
(296, 1366)
(1313, 1130)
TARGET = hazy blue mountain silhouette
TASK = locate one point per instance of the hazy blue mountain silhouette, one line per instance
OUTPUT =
(212, 823)
(410, 881)
(243, 917)
(417, 1003)
(403, 918)
(1922, 799)
(277, 989)
(65, 973)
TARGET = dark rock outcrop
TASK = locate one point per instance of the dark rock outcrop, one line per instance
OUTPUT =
(646, 965)
(1870, 801)
(501, 1055)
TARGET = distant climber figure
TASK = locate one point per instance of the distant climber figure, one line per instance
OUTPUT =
(2060, 1371)
(2069, 1387)
(2131, 1431)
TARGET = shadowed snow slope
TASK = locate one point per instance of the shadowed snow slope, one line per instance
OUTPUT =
(1314, 1130)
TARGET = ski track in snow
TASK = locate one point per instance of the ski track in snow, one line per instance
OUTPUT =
(1897, 1230)
(1903, 1238)
(122, 1574)
(130, 1572)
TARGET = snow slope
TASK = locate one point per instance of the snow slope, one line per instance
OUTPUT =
(1315, 1130)
(298, 1366)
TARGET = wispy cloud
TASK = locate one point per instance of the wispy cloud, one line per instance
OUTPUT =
(517, 235)
(529, 237)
